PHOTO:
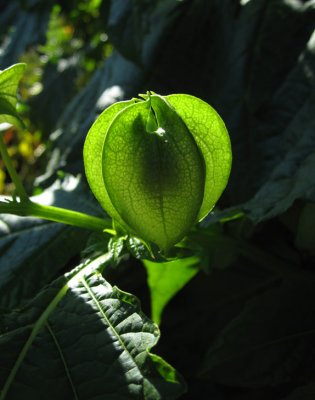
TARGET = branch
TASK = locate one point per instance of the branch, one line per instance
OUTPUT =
(56, 214)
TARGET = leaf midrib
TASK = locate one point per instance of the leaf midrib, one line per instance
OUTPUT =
(59, 349)
(89, 290)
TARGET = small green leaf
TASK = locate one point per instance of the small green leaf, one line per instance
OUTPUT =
(116, 246)
(166, 279)
(9, 79)
(138, 248)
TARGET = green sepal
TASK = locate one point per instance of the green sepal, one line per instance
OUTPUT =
(93, 157)
(212, 138)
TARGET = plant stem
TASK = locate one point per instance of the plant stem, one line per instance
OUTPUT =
(25, 207)
(12, 172)
(56, 214)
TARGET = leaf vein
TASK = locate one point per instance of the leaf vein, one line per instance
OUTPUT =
(97, 303)
(64, 362)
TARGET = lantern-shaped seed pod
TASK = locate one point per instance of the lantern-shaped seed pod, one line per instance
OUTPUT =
(158, 165)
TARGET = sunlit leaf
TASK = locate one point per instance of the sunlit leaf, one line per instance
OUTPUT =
(82, 338)
(166, 279)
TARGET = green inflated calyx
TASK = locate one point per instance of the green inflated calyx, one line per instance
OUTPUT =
(151, 164)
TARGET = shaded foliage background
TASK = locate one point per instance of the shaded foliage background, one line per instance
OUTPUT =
(244, 326)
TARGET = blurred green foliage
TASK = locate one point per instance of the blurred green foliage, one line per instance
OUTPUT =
(74, 37)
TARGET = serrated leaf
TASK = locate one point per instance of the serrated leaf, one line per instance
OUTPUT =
(83, 338)
(138, 248)
(165, 279)
(115, 247)
(9, 80)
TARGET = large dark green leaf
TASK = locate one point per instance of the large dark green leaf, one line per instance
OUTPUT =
(270, 342)
(33, 251)
(58, 83)
(137, 27)
(191, 57)
(82, 338)
(269, 80)
(293, 177)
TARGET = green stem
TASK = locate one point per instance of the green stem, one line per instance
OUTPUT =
(12, 172)
(56, 214)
